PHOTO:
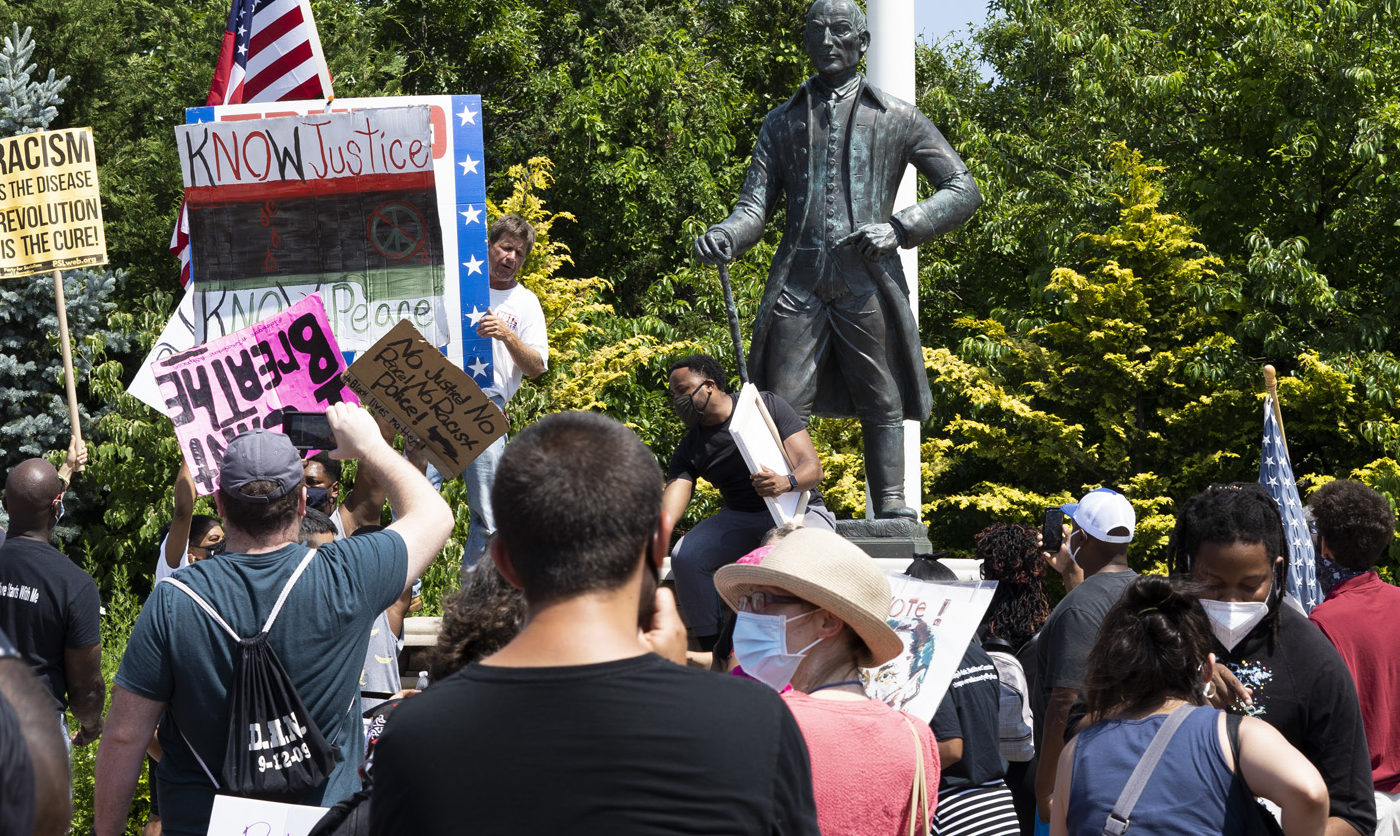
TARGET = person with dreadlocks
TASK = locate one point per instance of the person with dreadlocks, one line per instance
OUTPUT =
(1230, 539)
(1152, 662)
(1010, 555)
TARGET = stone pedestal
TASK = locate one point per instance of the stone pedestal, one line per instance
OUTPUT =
(892, 539)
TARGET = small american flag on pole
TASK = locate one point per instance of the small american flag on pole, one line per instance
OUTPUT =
(271, 53)
(1276, 475)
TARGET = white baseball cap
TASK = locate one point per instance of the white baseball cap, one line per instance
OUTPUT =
(1099, 512)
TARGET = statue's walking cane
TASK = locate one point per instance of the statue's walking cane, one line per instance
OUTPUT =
(733, 323)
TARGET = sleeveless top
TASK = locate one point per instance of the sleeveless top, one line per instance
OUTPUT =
(1190, 792)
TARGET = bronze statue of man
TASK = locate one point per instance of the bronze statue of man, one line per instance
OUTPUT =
(835, 335)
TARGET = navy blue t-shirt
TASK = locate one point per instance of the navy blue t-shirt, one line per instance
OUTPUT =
(178, 655)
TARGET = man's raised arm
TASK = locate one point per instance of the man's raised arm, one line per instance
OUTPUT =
(424, 521)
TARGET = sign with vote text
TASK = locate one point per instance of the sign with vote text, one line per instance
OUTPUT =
(424, 395)
(50, 211)
(936, 621)
(216, 391)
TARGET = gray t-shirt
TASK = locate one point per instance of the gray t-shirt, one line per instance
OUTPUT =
(1063, 644)
(178, 655)
(381, 673)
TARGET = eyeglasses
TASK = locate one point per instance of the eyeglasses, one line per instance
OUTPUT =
(691, 393)
(758, 602)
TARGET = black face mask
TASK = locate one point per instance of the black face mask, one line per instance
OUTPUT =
(320, 499)
(685, 407)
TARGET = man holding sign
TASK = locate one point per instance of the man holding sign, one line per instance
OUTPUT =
(708, 451)
(519, 347)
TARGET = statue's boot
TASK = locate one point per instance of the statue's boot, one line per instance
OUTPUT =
(884, 470)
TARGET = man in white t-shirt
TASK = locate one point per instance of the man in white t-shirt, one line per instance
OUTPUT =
(515, 322)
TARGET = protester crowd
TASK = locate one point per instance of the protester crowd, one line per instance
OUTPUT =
(571, 693)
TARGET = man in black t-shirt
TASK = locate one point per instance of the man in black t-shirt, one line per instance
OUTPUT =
(578, 725)
(49, 606)
(708, 451)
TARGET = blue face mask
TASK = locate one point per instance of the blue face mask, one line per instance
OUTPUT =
(760, 645)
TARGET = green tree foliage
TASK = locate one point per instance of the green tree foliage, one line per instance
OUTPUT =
(652, 104)
(1127, 381)
(1273, 118)
(1268, 123)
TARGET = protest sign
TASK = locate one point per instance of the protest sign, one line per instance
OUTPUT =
(243, 381)
(341, 204)
(759, 443)
(50, 211)
(234, 816)
(403, 377)
(51, 220)
(936, 622)
(460, 194)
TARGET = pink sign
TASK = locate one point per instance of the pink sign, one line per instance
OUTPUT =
(216, 391)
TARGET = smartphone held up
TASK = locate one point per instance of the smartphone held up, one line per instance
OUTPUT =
(308, 430)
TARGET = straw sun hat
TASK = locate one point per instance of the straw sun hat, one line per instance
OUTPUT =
(823, 568)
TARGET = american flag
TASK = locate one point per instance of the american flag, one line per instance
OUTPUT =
(1276, 475)
(271, 53)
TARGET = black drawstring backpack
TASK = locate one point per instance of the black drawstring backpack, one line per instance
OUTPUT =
(275, 751)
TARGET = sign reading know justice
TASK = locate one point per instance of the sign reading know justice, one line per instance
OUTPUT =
(50, 212)
(424, 395)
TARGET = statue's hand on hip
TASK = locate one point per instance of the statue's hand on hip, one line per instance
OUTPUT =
(872, 240)
(715, 246)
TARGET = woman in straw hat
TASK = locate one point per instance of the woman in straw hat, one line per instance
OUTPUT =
(812, 614)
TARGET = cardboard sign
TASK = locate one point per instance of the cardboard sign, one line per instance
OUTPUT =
(758, 441)
(403, 377)
(50, 211)
(219, 390)
(233, 816)
(936, 622)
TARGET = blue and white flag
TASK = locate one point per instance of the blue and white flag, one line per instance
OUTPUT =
(1276, 475)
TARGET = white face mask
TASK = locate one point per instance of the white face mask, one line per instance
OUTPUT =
(760, 645)
(1232, 620)
(1074, 552)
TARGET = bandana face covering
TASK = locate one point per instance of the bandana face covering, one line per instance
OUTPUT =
(760, 645)
(1330, 573)
(1231, 621)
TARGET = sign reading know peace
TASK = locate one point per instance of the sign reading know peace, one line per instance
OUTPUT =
(425, 396)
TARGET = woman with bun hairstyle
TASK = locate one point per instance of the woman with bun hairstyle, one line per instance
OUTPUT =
(1272, 663)
(812, 614)
(1153, 659)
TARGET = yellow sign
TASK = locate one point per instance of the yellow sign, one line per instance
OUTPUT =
(50, 211)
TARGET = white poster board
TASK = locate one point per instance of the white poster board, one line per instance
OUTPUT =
(234, 816)
(758, 441)
(936, 621)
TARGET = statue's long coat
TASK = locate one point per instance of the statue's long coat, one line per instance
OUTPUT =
(885, 135)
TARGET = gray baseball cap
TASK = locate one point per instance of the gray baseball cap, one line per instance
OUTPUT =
(260, 456)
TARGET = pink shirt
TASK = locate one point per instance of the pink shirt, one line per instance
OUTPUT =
(863, 761)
